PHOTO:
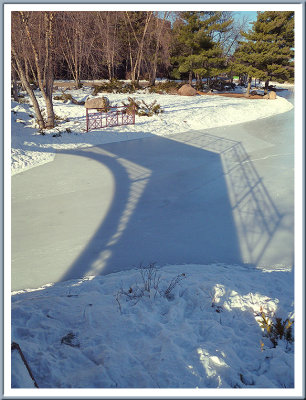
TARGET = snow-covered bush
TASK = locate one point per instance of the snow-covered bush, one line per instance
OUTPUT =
(151, 286)
(142, 108)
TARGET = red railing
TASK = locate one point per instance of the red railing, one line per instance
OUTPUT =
(116, 116)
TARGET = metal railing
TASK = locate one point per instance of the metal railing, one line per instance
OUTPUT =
(115, 116)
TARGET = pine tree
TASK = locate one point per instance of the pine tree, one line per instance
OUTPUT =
(268, 51)
(195, 50)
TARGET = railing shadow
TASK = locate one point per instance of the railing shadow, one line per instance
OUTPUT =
(194, 198)
(256, 216)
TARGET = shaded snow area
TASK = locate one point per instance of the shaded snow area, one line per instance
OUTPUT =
(190, 326)
(181, 113)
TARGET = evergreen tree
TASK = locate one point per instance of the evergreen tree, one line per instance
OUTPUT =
(268, 51)
(194, 50)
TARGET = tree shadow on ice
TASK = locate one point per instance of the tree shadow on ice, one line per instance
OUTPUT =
(194, 198)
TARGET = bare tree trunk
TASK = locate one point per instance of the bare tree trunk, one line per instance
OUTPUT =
(198, 78)
(29, 89)
(159, 32)
(248, 87)
(15, 88)
(108, 47)
(49, 78)
(136, 69)
(266, 86)
(190, 78)
(44, 76)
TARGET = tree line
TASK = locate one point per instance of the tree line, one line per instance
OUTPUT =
(48, 45)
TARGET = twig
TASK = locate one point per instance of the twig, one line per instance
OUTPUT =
(15, 346)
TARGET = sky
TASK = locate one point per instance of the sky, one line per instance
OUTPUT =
(251, 15)
(239, 15)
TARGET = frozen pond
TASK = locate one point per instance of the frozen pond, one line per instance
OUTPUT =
(221, 195)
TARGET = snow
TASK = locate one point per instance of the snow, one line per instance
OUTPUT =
(108, 331)
(20, 374)
(205, 334)
(181, 113)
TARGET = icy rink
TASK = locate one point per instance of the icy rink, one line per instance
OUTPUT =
(220, 195)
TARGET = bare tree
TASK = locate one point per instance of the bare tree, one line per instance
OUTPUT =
(18, 48)
(14, 76)
(35, 33)
(159, 29)
(136, 40)
(109, 40)
(76, 39)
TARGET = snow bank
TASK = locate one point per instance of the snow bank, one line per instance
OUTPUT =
(181, 114)
(85, 334)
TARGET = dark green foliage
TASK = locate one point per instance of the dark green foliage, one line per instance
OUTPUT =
(195, 49)
(116, 86)
(165, 87)
(267, 52)
(64, 97)
(281, 330)
(131, 87)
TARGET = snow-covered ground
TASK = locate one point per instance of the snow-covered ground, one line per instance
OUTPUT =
(30, 148)
(108, 331)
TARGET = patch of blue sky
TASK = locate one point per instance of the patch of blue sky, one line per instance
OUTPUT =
(250, 15)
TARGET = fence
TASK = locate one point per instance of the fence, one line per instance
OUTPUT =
(116, 116)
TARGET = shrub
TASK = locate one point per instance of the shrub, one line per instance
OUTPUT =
(168, 291)
(150, 286)
(132, 105)
(165, 87)
(64, 97)
(130, 87)
(70, 340)
(199, 86)
(108, 87)
(116, 86)
(22, 100)
(142, 108)
(276, 329)
(149, 109)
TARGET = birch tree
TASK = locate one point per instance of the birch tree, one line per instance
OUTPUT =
(35, 33)
(136, 39)
(76, 40)
(159, 29)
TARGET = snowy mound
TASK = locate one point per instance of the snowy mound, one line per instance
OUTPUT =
(190, 326)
